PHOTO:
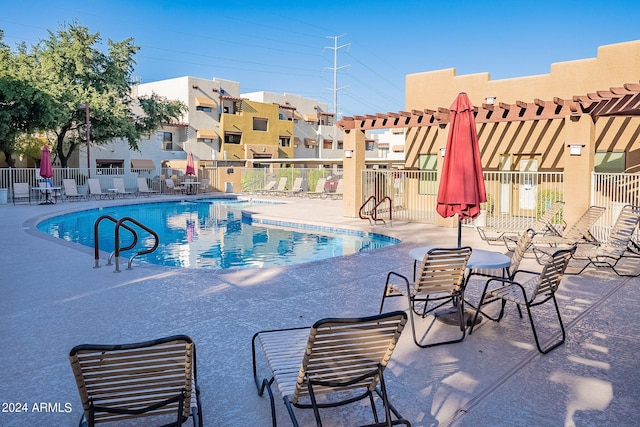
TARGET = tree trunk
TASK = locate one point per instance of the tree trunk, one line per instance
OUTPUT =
(9, 158)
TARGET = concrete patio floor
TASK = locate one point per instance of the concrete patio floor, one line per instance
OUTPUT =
(53, 299)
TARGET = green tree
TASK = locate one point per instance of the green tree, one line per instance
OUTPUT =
(24, 108)
(71, 69)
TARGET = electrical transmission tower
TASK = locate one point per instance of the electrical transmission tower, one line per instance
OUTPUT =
(335, 70)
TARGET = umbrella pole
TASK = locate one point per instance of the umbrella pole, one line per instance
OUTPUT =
(459, 232)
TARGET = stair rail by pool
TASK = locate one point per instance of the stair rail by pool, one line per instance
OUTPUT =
(96, 249)
(119, 224)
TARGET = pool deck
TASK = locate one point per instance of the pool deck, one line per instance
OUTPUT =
(53, 299)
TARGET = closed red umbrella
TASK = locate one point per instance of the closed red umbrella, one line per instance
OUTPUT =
(191, 170)
(462, 185)
(46, 171)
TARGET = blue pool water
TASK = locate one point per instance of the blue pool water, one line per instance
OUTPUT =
(211, 234)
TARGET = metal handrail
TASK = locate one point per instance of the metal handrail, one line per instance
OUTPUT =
(119, 224)
(375, 210)
(96, 239)
(361, 210)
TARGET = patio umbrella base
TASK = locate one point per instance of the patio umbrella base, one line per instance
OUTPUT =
(449, 316)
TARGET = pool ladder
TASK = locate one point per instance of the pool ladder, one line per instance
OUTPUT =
(121, 223)
(372, 215)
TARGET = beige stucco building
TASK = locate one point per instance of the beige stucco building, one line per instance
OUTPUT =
(527, 123)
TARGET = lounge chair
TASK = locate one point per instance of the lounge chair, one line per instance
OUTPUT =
(338, 193)
(268, 187)
(440, 279)
(619, 245)
(577, 233)
(21, 192)
(543, 226)
(280, 189)
(533, 292)
(343, 359)
(170, 185)
(319, 191)
(71, 190)
(155, 379)
(118, 184)
(95, 190)
(296, 190)
(143, 188)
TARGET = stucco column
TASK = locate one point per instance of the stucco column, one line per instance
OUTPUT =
(441, 143)
(352, 167)
(579, 131)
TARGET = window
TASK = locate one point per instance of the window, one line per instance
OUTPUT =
(167, 141)
(285, 141)
(260, 124)
(232, 138)
(428, 183)
(205, 109)
(609, 161)
(368, 145)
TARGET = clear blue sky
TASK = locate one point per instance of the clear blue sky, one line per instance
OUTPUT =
(281, 46)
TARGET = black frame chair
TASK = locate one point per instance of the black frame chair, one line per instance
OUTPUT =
(534, 292)
(440, 279)
(341, 358)
(148, 379)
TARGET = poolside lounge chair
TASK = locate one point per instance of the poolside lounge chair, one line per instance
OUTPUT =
(338, 193)
(268, 187)
(280, 189)
(95, 190)
(71, 190)
(21, 192)
(149, 379)
(342, 359)
(542, 226)
(618, 245)
(535, 291)
(577, 233)
(118, 184)
(440, 279)
(319, 191)
(296, 190)
(172, 187)
(143, 188)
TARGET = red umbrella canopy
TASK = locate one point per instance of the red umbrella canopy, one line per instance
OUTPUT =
(462, 185)
(191, 170)
(46, 171)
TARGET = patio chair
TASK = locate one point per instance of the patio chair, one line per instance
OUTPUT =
(268, 187)
(319, 191)
(342, 359)
(543, 226)
(155, 379)
(118, 184)
(143, 188)
(204, 185)
(533, 292)
(71, 190)
(50, 196)
(296, 190)
(280, 189)
(168, 182)
(619, 245)
(578, 232)
(95, 190)
(21, 192)
(339, 189)
(440, 279)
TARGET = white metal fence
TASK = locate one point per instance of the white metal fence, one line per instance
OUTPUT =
(514, 199)
(613, 191)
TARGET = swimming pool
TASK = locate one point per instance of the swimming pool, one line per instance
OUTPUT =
(212, 234)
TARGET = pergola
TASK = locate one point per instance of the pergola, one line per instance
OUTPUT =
(616, 101)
